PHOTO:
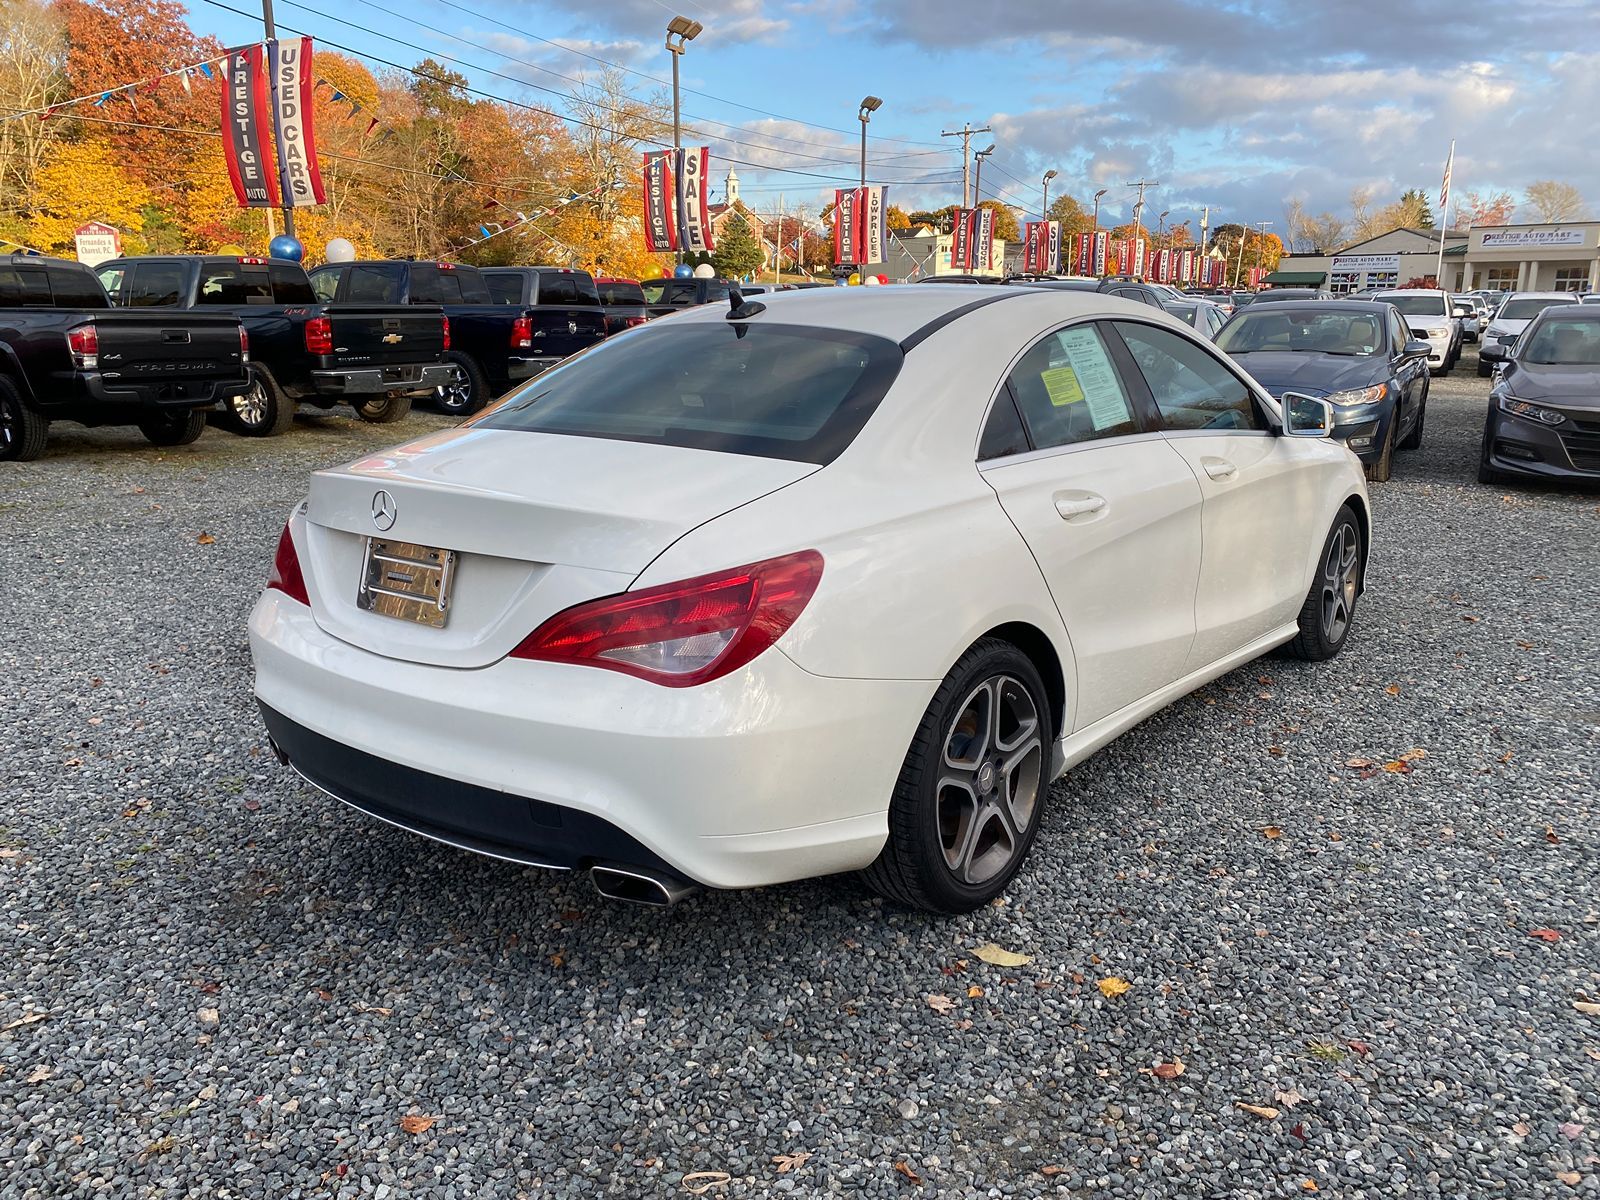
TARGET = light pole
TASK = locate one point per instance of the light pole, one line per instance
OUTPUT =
(1161, 227)
(1048, 176)
(868, 106)
(684, 31)
(1097, 196)
(977, 183)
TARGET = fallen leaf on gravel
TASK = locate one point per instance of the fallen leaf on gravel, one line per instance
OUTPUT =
(209, 1016)
(1260, 1110)
(30, 1019)
(1550, 835)
(1299, 1131)
(905, 1169)
(998, 957)
(373, 1008)
(1358, 762)
(1522, 1129)
(1471, 618)
(1545, 935)
(1112, 986)
(1288, 1099)
(1272, 833)
(974, 992)
(1393, 689)
(1359, 1046)
(940, 1004)
(205, 539)
(39, 1074)
(1309, 1185)
(1593, 1052)
(1570, 1178)
(1572, 1130)
(1170, 1070)
(1052, 1172)
(1587, 1008)
(1397, 767)
(788, 1162)
(1413, 754)
(1275, 750)
(698, 1183)
(418, 1123)
(1335, 836)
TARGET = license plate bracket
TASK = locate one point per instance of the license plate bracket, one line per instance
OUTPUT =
(407, 581)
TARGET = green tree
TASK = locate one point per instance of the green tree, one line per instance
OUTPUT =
(1006, 228)
(738, 253)
(1414, 210)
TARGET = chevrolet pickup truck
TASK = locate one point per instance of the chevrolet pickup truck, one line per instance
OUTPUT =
(67, 355)
(376, 357)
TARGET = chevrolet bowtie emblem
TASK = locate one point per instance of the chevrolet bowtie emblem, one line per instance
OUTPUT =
(392, 338)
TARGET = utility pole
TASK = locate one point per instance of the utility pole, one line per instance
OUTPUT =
(965, 134)
(777, 249)
(272, 34)
(1138, 205)
(1261, 241)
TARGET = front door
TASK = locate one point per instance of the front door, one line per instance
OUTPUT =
(1110, 511)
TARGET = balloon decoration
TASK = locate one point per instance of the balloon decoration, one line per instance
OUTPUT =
(883, 279)
(871, 281)
(855, 278)
(683, 271)
(230, 248)
(339, 250)
(284, 246)
(705, 271)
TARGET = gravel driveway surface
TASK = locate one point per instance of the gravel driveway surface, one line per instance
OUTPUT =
(219, 984)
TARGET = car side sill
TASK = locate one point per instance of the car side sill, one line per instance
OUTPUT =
(1078, 746)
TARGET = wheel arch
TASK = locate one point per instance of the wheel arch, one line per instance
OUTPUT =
(1358, 506)
(1041, 651)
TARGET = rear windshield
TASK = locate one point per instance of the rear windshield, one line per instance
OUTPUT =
(566, 287)
(621, 292)
(504, 287)
(1526, 310)
(1415, 306)
(770, 391)
(234, 283)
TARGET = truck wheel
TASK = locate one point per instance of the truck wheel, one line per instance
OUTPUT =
(22, 431)
(469, 393)
(174, 428)
(261, 411)
(383, 410)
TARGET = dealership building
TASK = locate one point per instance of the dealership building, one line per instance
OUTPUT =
(1556, 257)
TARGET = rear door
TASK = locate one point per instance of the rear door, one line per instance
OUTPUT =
(1109, 509)
(1259, 500)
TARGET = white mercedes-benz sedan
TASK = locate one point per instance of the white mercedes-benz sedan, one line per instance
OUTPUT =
(840, 581)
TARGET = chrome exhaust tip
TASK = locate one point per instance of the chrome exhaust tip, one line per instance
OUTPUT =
(638, 885)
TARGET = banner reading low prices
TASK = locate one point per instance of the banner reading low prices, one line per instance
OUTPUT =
(660, 205)
(244, 135)
(859, 229)
(298, 173)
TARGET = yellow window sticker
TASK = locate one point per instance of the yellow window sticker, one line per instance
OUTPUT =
(1063, 386)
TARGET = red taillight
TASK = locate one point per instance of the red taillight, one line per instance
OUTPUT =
(447, 333)
(84, 342)
(522, 333)
(319, 336)
(244, 345)
(632, 322)
(286, 576)
(682, 634)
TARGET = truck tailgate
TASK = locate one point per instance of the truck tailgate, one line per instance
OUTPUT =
(384, 334)
(559, 330)
(142, 345)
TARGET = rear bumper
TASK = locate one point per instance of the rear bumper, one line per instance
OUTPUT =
(91, 393)
(527, 366)
(366, 381)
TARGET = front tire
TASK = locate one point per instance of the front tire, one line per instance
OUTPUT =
(260, 411)
(1413, 440)
(23, 432)
(1330, 607)
(383, 410)
(469, 393)
(174, 428)
(971, 794)
(1383, 469)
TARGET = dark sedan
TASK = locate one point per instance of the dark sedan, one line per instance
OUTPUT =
(1544, 410)
(1357, 355)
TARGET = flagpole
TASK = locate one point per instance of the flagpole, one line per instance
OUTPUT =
(1444, 214)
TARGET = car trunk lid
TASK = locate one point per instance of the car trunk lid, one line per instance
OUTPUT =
(384, 334)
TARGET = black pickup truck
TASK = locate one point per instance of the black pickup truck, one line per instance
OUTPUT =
(67, 355)
(493, 344)
(373, 356)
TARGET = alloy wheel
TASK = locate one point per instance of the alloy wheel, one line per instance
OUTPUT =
(455, 395)
(251, 407)
(991, 771)
(1340, 567)
(10, 420)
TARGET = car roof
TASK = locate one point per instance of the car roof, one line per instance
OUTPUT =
(1585, 312)
(1301, 306)
(1542, 296)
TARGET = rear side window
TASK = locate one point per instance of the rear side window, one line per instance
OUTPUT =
(234, 283)
(619, 292)
(154, 285)
(290, 285)
(771, 391)
(504, 289)
(371, 284)
(447, 289)
(564, 288)
(77, 289)
(1190, 386)
(1068, 390)
(23, 287)
(111, 279)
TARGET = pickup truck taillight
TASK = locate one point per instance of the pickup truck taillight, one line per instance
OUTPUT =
(319, 336)
(522, 333)
(84, 342)
(634, 322)
(447, 333)
(244, 345)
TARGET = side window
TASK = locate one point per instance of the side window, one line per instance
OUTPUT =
(504, 288)
(111, 279)
(23, 287)
(289, 285)
(1068, 391)
(1003, 433)
(325, 285)
(1398, 331)
(375, 285)
(1191, 388)
(155, 285)
(77, 288)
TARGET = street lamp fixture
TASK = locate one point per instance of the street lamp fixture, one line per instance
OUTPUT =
(680, 32)
(1048, 176)
(977, 183)
(868, 106)
(1097, 196)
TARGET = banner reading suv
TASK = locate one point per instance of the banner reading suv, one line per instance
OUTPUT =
(248, 149)
(299, 176)
(1052, 247)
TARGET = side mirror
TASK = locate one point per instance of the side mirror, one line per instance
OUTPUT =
(1416, 348)
(1306, 416)
(1494, 351)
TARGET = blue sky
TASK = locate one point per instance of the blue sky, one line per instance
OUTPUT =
(1238, 105)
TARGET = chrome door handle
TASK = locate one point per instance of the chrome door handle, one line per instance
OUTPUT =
(1077, 506)
(1220, 468)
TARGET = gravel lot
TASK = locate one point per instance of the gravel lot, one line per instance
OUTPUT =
(220, 984)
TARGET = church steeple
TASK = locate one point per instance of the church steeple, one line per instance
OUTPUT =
(730, 187)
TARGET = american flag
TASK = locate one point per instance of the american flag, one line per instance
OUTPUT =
(1444, 189)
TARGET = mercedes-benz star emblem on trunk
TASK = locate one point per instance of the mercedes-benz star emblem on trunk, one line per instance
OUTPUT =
(384, 510)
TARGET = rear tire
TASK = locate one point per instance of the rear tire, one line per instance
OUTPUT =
(174, 428)
(23, 432)
(1330, 607)
(262, 410)
(383, 410)
(470, 394)
(971, 795)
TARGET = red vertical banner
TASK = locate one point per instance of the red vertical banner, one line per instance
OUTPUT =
(1141, 259)
(1102, 254)
(1164, 266)
(245, 139)
(660, 229)
(1186, 266)
(299, 174)
(845, 233)
(961, 235)
(694, 217)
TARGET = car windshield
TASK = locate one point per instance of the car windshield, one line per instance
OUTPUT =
(1299, 331)
(772, 391)
(1526, 310)
(1563, 340)
(1422, 305)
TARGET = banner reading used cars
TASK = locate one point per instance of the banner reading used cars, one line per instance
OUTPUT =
(298, 173)
(244, 136)
(983, 238)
